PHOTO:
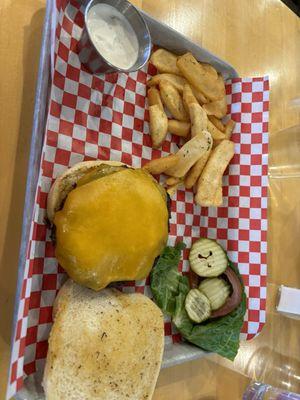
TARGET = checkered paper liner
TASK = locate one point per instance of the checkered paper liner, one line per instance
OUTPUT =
(106, 117)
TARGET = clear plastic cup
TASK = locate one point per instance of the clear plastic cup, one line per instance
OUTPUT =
(261, 391)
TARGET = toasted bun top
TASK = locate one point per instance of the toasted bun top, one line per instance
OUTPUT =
(68, 180)
(105, 345)
(110, 228)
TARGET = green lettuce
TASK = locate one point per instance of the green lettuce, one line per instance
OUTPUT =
(170, 288)
(166, 281)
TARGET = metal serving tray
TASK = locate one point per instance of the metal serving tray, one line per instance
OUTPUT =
(163, 36)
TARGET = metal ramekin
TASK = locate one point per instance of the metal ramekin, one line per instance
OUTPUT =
(91, 57)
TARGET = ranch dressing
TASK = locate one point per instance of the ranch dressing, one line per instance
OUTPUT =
(113, 36)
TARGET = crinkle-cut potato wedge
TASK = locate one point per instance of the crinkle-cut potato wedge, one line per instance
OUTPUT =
(209, 185)
(179, 128)
(160, 165)
(217, 123)
(198, 117)
(171, 181)
(209, 69)
(229, 127)
(194, 173)
(218, 197)
(154, 98)
(173, 101)
(198, 76)
(189, 153)
(171, 190)
(188, 97)
(220, 88)
(217, 108)
(214, 131)
(177, 81)
(165, 61)
(199, 96)
(158, 125)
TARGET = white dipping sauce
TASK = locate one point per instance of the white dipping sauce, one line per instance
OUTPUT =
(113, 36)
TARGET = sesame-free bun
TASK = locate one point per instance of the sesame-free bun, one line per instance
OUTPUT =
(68, 180)
(103, 346)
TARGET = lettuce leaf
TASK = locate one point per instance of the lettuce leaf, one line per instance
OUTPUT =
(166, 281)
(170, 288)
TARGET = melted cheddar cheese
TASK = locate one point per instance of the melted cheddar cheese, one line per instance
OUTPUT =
(112, 229)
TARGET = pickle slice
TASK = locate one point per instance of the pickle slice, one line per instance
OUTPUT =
(207, 258)
(217, 291)
(197, 306)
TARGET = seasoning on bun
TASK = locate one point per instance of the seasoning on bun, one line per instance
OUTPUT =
(106, 345)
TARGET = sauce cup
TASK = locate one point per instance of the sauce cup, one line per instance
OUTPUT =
(93, 60)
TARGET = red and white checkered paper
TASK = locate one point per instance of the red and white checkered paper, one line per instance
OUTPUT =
(105, 117)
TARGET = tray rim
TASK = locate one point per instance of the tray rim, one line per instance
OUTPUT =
(207, 55)
(37, 138)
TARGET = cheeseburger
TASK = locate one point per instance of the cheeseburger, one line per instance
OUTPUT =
(110, 222)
